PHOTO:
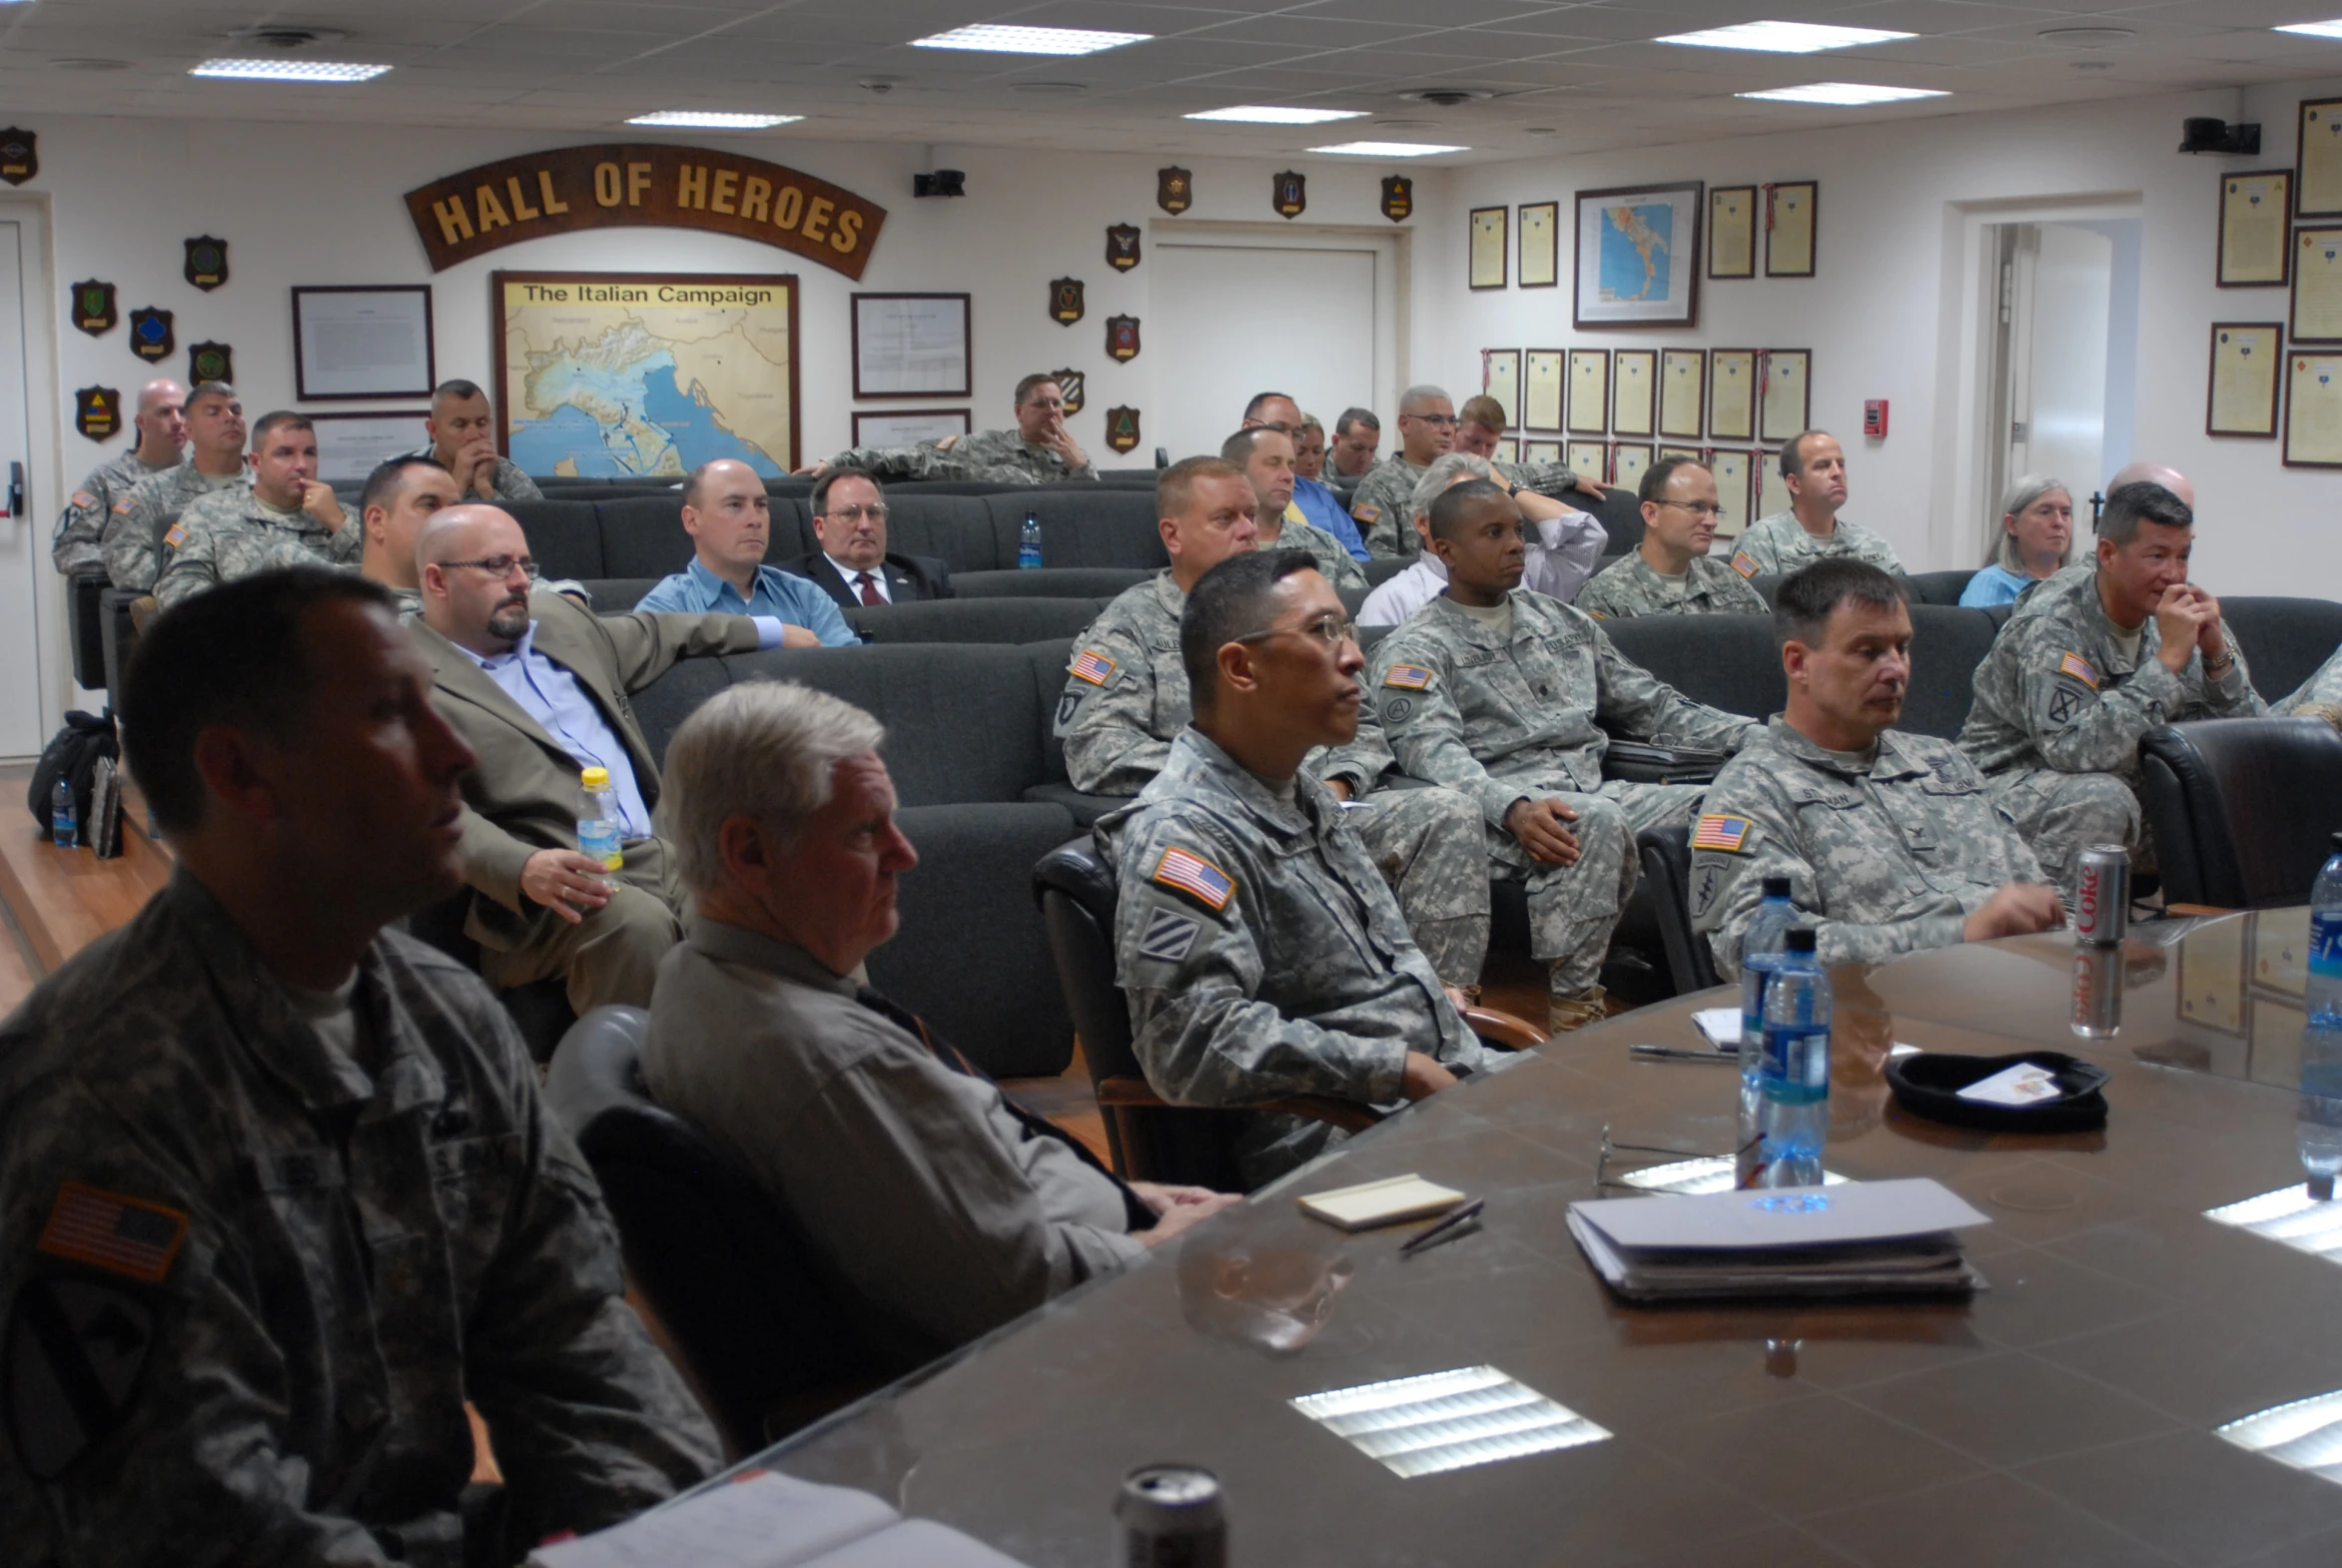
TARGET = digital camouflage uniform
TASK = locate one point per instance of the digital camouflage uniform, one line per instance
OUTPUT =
(133, 541)
(996, 456)
(281, 1278)
(1333, 559)
(1777, 545)
(1886, 853)
(2060, 711)
(510, 484)
(1126, 701)
(80, 539)
(1504, 718)
(2322, 689)
(222, 537)
(1264, 957)
(1383, 503)
(1633, 587)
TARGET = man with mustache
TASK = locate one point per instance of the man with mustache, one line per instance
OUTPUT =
(729, 518)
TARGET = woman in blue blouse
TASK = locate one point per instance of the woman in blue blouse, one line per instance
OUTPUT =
(2037, 540)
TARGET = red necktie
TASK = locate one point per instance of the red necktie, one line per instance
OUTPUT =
(868, 585)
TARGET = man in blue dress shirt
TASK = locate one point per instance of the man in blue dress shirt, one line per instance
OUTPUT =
(730, 523)
(1320, 507)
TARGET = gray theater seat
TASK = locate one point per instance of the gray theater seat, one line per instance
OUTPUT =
(973, 620)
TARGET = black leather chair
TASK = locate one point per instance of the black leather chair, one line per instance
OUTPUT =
(85, 595)
(2243, 811)
(1666, 855)
(724, 1268)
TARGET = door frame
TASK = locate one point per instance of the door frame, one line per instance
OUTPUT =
(45, 484)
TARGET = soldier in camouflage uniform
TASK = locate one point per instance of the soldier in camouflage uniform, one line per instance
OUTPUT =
(1040, 450)
(463, 442)
(161, 446)
(1814, 468)
(1427, 428)
(277, 1189)
(131, 544)
(2090, 660)
(1892, 841)
(1510, 697)
(1261, 954)
(1127, 699)
(1265, 454)
(287, 518)
(1670, 572)
(2322, 690)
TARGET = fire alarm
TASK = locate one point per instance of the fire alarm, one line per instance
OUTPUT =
(1875, 417)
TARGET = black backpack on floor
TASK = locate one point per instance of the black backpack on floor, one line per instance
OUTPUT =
(72, 755)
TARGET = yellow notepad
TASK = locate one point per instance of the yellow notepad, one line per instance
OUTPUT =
(1384, 1203)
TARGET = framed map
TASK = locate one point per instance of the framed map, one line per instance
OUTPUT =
(1638, 255)
(624, 373)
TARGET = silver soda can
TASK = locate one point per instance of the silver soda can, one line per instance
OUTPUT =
(1169, 1517)
(2098, 991)
(2102, 896)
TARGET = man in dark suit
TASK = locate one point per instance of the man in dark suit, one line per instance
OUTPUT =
(852, 565)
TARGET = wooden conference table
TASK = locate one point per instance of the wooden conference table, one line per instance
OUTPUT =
(2065, 1416)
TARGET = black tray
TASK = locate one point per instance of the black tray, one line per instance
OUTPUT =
(1928, 1084)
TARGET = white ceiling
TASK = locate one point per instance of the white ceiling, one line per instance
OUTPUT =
(1564, 78)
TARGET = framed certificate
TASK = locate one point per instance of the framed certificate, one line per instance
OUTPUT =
(1690, 453)
(907, 427)
(1540, 243)
(1770, 491)
(1634, 391)
(912, 345)
(1732, 231)
(1487, 234)
(1589, 392)
(2253, 209)
(1590, 461)
(1732, 395)
(350, 445)
(2316, 316)
(1533, 452)
(1500, 378)
(1638, 255)
(1683, 391)
(1541, 390)
(1629, 462)
(2313, 410)
(1786, 407)
(2317, 165)
(2243, 396)
(1788, 229)
(362, 341)
(1508, 449)
(1732, 471)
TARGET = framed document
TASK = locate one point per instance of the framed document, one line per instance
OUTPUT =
(1634, 391)
(1773, 495)
(1488, 224)
(1589, 392)
(350, 445)
(1541, 390)
(1787, 408)
(2243, 396)
(2317, 165)
(1732, 395)
(362, 341)
(1789, 228)
(1683, 391)
(1508, 449)
(1500, 378)
(1638, 255)
(2313, 410)
(2253, 209)
(1540, 451)
(1732, 471)
(2317, 286)
(1540, 243)
(1629, 462)
(1590, 461)
(908, 427)
(911, 346)
(1691, 453)
(2280, 952)
(1732, 231)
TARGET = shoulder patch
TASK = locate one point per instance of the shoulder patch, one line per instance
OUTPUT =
(1190, 873)
(1169, 935)
(177, 536)
(122, 507)
(125, 1235)
(1367, 513)
(946, 443)
(1744, 563)
(1092, 666)
(75, 1350)
(84, 499)
(2080, 669)
(1407, 677)
(1718, 832)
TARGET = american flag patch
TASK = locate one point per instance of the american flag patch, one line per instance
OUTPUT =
(127, 1235)
(1093, 666)
(122, 507)
(1744, 563)
(84, 499)
(177, 536)
(1193, 874)
(1411, 677)
(1718, 832)
(2080, 669)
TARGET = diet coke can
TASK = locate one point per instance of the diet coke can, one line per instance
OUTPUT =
(2102, 896)
(1170, 1517)
(2098, 991)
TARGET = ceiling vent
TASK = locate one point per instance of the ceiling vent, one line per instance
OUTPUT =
(1446, 96)
(285, 38)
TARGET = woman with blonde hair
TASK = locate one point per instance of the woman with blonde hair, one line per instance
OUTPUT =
(2036, 542)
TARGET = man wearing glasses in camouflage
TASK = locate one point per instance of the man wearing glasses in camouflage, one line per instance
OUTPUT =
(1040, 450)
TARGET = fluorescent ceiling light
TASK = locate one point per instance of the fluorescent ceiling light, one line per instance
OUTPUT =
(712, 120)
(1028, 40)
(1842, 93)
(1271, 114)
(2331, 29)
(1388, 149)
(291, 70)
(1782, 38)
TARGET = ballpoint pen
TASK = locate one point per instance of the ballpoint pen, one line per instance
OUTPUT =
(1447, 1228)
(1679, 1054)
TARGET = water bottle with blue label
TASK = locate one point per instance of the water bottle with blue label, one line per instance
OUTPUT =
(1795, 1075)
(64, 820)
(1028, 542)
(2318, 1132)
(598, 829)
(1759, 955)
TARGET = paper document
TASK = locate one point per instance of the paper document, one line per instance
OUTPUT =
(767, 1520)
(2026, 1084)
(1721, 1026)
(1790, 1217)
(1384, 1203)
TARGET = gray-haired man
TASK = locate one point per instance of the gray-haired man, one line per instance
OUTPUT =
(161, 447)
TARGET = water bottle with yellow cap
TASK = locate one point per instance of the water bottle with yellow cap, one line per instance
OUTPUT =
(597, 829)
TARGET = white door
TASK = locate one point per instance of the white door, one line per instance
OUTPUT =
(23, 540)
(1233, 319)
(2063, 296)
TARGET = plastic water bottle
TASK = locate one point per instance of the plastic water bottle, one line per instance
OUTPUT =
(1759, 955)
(1028, 542)
(64, 822)
(1795, 1081)
(2318, 1132)
(598, 831)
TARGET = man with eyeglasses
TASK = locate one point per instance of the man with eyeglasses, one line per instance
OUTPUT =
(1670, 572)
(1040, 450)
(1426, 430)
(729, 518)
(539, 688)
(1317, 502)
(289, 518)
(853, 565)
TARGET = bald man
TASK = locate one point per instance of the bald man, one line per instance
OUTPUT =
(162, 444)
(2154, 473)
(538, 687)
(729, 518)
